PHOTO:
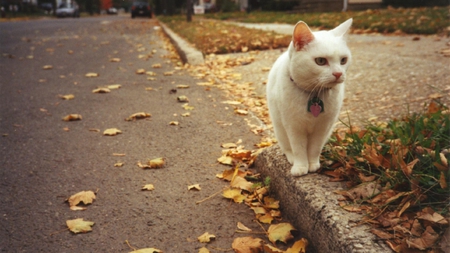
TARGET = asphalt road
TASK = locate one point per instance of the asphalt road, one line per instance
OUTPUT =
(44, 159)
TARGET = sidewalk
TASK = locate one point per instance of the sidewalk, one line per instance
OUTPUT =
(389, 75)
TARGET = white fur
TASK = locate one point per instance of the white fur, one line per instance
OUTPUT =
(300, 135)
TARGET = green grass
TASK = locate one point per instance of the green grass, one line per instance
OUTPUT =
(410, 21)
(404, 155)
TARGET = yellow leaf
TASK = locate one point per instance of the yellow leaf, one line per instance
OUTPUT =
(150, 73)
(203, 250)
(168, 73)
(280, 232)
(247, 245)
(174, 123)
(67, 97)
(138, 115)
(87, 197)
(234, 194)
(241, 111)
(271, 249)
(206, 237)
(148, 187)
(187, 114)
(79, 225)
(47, 67)
(114, 86)
(242, 227)
(182, 86)
(140, 71)
(258, 210)
(114, 60)
(224, 159)
(147, 250)
(271, 203)
(298, 247)
(229, 145)
(231, 102)
(101, 90)
(156, 66)
(153, 164)
(111, 132)
(194, 187)
(182, 99)
(72, 117)
(240, 182)
(92, 74)
(266, 218)
(187, 107)
(119, 164)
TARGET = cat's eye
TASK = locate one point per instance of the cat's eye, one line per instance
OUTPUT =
(344, 61)
(321, 61)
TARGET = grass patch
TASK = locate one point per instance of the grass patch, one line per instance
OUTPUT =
(411, 21)
(397, 171)
(213, 37)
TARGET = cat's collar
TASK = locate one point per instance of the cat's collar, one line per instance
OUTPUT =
(322, 90)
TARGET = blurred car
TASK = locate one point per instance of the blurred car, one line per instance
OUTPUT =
(68, 9)
(140, 8)
(111, 10)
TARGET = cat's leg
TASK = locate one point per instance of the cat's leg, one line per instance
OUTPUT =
(316, 142)
(299, 143)
(283, 141)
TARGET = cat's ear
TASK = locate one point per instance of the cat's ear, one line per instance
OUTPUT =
(302, 35)
(343, 29)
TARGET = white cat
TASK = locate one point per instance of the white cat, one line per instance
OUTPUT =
(305, 93)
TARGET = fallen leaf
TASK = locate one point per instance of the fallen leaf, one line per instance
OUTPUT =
(148, 187)
(118, 154)
(271, 249)
(156, 66)
(242, 227)
(138, 115)
(182, 86)
(150, 73)
(47, 67)
(114, 60)
(194, 187)
(174, 123)
(265, 218)
(114, 86)
(67, 97)
(111, 132)
(203, 250)
(101, 90)
(240, 182)
(234, 194)
(72, 117)
(206, 237)
(241, 111)
(229, 145)
(119, 164)
(183, 99)
(187, 107)
(87, 197)
(187, 114)
(79, 225)
(92, 74)
(247, 245)
(153, 164)
(140, 71)
(280, 232)
(298, 247)
(147, 250)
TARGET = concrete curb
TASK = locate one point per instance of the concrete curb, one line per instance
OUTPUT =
(312, 207)
(188, 53)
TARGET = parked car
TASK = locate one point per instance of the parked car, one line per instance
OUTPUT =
(111, 10)
(140, 8)
(68, 9)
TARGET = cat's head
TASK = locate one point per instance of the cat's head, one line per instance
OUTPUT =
(319, 59)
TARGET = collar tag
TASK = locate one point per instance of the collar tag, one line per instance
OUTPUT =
(315, 106)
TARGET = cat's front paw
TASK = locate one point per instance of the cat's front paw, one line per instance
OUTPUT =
(313, 167)
(298, 171)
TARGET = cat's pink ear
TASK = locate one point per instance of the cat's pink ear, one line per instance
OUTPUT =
(302, 35)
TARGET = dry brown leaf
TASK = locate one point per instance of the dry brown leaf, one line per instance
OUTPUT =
(194, 187)
(140, 71)
(67, 97)
(101, 90)
(112, 132)
(280, 232)
(72, 117)
(118, 164)
(298, 247)
(153, 164)
(87, 197)
(174, 123)
(148, 187)
(47, 67)
(241, 111)
(79, 225)
(206, 237)
(247, 245)
(183, 99)
(242, 227)
(138, 115)
(156, 66)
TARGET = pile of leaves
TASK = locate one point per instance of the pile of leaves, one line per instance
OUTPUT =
(213, 37)
(426, 20)
(398, 174)
(247, 187)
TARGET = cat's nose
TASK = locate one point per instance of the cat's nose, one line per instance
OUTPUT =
(337, 75)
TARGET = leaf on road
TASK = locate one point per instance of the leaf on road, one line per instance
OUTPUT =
(153, 164)
(182, 86)
(118, 164)
(72, 117)
(138, 115)
(298, 247)
(242, 227)
(114, 86)
(114, 60)
(247, 245)
(203, 250)
(174, 123)
(280, 232)
(156, 65)
(206, 237)
(240, 182)
(194, 187)
(241, 111)
(79, 225)
(147, 250)
(188, 107)
(47, 67)
(101, 90)
(148, 187)
(140, 71)
(234, 194)
(67, 97)
(111, 132)
(86, 197)
(183, 99)
(92, 74)
(150, 73)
